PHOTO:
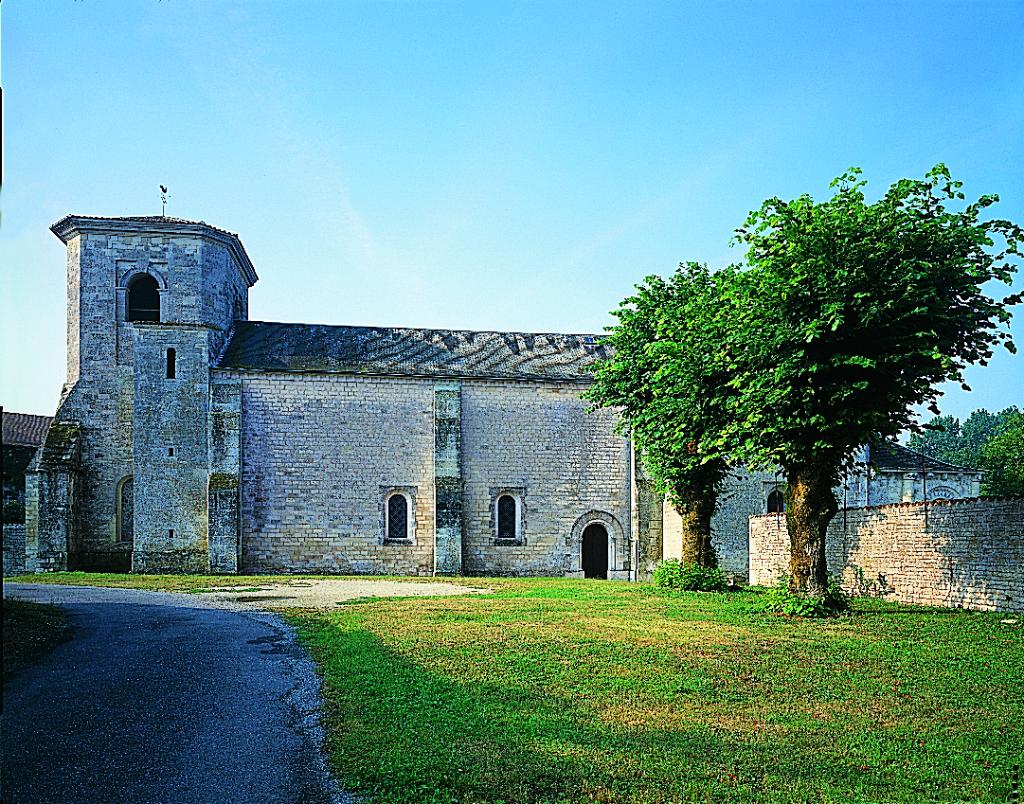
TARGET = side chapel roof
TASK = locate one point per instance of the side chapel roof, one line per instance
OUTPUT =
(24, 429)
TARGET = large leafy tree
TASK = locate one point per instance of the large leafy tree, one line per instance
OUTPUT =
(665, 377)
(853, 313)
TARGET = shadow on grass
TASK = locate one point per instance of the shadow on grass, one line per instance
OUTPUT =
(30, 632)
(400, 732)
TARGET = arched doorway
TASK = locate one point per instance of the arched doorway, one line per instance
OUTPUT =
(595, 551)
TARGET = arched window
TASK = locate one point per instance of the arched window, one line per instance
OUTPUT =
(398, 517)
(776, 502)
(143, 298)
(125, 510)
(506, 518)
(172, 363)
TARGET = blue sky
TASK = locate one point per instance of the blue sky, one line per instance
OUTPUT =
(479, 165)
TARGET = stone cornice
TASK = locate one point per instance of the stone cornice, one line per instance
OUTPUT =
(70, 226)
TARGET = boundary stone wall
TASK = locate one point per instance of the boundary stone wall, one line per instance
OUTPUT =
(956, 553)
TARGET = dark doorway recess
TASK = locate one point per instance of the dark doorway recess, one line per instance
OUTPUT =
(595, 551)
(143, 299)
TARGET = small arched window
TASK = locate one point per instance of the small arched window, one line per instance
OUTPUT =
(398, 517)
(172, 363)
(776, 502)
(143, 298)
(506, 517)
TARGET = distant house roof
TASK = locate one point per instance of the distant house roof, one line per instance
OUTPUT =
(268, 346)
(25, 429)
(888, 455)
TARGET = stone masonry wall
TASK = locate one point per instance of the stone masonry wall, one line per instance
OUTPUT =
(566, 467)
(742, 496)
(745, 493)
(969, 553)
(171, 449)
(14, 550)
(319, 454)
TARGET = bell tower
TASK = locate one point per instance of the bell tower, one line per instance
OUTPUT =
(150, 305)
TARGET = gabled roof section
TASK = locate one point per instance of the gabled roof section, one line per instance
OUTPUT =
(25, 429)
(890, 456)
(268, 346)
(71, 225)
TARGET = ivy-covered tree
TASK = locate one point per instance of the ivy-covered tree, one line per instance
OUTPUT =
(853, 313)
(665, 378)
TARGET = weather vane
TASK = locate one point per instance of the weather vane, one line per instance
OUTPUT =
(163, 201)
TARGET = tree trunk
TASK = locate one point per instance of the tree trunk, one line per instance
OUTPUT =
(695, 509)
(810, 506)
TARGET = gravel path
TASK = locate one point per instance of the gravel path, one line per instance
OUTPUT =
(164, 698)
(319, 594)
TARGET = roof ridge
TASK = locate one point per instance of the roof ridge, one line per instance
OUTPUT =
(426, 329)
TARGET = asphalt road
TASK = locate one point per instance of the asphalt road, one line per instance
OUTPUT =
(163, 698)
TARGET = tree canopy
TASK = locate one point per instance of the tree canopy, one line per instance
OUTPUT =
(852, 313)
(855, 312)
(966, 444)
(1003, 459)
(992, 442)
(846, 315)
(666, 377)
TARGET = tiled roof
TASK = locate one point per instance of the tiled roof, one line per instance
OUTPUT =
(267, 346)
(888, 455)
(25, 429)
(160, 219)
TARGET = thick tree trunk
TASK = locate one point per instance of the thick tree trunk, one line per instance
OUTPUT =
(810, 506)
(695, 509)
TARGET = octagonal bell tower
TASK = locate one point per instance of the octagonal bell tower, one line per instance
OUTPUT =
(151, 302)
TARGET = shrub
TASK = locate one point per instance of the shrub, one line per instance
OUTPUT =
(671, 574)
(780, 599)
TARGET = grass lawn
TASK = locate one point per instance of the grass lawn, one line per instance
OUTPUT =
(30, 631)
(564, 690)
(201, 583)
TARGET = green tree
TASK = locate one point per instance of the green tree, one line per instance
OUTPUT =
(1003, 460)
(853, 313)
(963, 445)
(665, 377)
(940, 439)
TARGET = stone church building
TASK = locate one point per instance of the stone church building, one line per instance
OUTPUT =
(191, 439)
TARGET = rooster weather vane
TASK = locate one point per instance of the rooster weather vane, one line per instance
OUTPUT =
(163, 200)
